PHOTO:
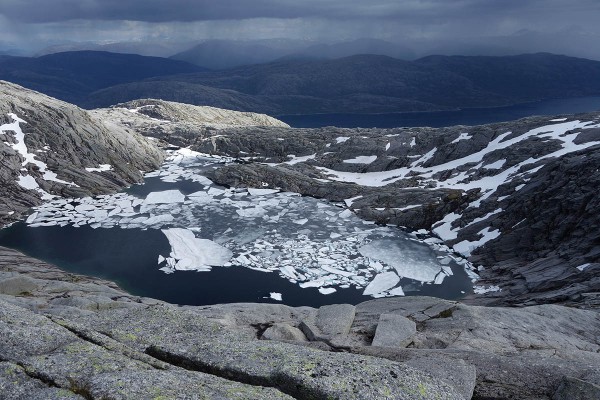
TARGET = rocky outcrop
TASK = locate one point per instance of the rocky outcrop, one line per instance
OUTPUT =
(70, 336)
(51, 148)
(180, 124)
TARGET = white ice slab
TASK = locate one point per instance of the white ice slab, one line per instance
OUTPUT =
(346, 214)
(381, 283)
(407, 264)
(192, 253)
(327, 290)
(276, 296)
(397, 291)
(165, 197)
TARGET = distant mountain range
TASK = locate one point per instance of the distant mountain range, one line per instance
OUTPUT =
(355, 84)
(72, 76)
(223, 54)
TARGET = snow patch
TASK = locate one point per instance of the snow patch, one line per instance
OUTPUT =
(101, 168)
(361, 160)
(462, 136)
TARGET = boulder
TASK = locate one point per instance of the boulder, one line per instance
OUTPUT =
(394, 331)
(283, 332)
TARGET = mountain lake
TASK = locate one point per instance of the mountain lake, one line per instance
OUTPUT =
(180, 238)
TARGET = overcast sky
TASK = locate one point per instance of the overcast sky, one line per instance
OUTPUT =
(34, 24)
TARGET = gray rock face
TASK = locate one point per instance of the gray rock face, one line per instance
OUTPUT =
(576, 389)
(335, 319)
(89, 347)
(394, 331)
(283, 332)
(331, 324)
(67, 140)
(181, 124)
(134, 348)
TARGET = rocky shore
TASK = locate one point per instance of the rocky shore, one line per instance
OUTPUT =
(71, 336)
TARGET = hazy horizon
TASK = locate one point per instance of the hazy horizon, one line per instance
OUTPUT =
(418, 28)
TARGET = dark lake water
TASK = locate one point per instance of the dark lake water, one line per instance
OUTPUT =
(128, 257)
(275, 230)
(472, 116)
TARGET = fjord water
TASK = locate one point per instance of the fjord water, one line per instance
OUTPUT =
(127, 252)
(436, 119)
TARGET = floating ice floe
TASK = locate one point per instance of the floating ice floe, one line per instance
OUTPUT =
(191, 253)
(408, 263)
(276, 296)
(166, 197)
(381, 283)
(306, 241)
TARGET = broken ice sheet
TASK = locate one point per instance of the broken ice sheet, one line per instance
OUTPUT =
(166, 197)
(192, 253)
(381, 283)
(410, 260)
(309, 242)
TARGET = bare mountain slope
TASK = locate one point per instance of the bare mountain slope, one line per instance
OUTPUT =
(52, 148)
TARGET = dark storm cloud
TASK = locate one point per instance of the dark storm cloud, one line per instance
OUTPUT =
(151, 10)
(38, 11)
(439, 26)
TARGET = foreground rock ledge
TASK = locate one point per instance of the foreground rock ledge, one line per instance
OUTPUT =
(70, 336)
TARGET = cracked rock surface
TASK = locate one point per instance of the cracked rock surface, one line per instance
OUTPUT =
(66, 335)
